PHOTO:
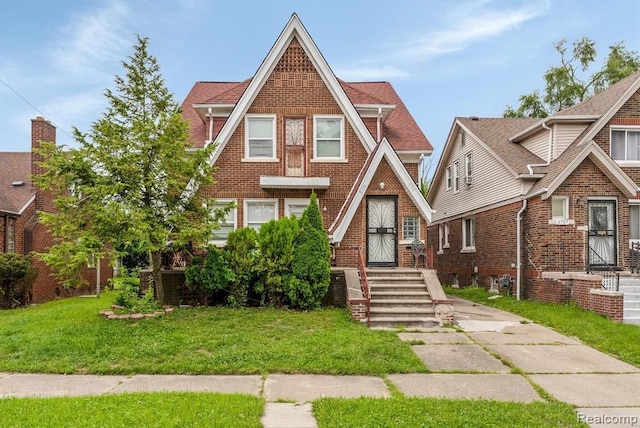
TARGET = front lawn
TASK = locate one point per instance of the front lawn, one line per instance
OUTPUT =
(174, 409)
(619, 340)
(68, 336)
(429, 412)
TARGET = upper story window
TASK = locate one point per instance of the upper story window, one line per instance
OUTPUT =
(449, 178)
(260, 137)
(328, 138)
(468, 170)
(463, 138)
(295, 206)
(625, 144)
(456, 178)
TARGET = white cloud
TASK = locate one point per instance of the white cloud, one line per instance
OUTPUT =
(467, 24)
(92, 40)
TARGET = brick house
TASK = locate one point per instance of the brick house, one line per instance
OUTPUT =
(20, 202)
(526, 197)
(294, 128)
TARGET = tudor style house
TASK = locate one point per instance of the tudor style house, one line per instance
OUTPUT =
(20, 202)
(294, 128)
(525, 197)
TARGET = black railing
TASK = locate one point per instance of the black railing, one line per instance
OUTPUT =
(574, 257)
(635, 257)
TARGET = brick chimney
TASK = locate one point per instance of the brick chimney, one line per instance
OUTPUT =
(41, 130)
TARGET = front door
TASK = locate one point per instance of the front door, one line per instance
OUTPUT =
(382, 231)
(602, 233)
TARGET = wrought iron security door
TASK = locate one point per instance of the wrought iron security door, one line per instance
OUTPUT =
(382, 231)
(602, 233)
(294, 136)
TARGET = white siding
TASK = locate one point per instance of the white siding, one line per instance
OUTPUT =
(492, 182)
(564, 134)
(538, 144)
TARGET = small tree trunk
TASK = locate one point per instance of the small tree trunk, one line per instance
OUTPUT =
(156, 264)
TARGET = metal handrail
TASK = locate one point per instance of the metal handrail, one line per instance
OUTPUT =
(610, 278)
(364, 282)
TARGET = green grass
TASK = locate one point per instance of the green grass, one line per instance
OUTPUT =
(135, 410)
(619, 340)
(68, 336)
(430, 412)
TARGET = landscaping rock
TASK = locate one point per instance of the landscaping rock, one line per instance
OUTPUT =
(168, 310)
(137, 316)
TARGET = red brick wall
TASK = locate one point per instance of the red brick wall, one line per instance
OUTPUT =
(295, 89)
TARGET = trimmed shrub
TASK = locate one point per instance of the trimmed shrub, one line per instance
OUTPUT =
(210, 274)
(311, 264)
(275, 242)
(16, 279)
(242, 253)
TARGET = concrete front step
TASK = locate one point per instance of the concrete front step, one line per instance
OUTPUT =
(393, 303)
(413, 287)
(387, 280)
(405, 322)
(402, 311)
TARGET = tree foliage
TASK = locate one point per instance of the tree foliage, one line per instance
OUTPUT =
(570, 82)
(125, 182)
(16, 278)
(210, 274)
(311, 266)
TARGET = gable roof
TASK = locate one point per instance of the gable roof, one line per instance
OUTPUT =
(560, 169)
(293, 29)
(15, 167)
(382, 151)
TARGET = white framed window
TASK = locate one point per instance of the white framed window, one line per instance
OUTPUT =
(625, 144)
(559, 207)
(449, 178)
(468, 170)
(468, 234)
(295, 206)
(259, 211)
(463, 138)
(328, 138)
(410, 228)
(440, 238)
(228, 223)
(456, 178)
(634, 221)
(260, 136)
(446, 235)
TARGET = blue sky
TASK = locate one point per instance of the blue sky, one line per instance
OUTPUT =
(444, 58)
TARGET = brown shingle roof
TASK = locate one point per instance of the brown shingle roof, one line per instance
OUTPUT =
(495, 133)
(14, 167)
(400, 128)
(601, 102)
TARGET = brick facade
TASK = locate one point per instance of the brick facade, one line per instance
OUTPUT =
(295, 89)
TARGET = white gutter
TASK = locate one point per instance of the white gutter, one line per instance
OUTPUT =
(378, 125)
(530, 166)
(518, 248)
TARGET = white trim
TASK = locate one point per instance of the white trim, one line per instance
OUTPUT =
(468, 248)
(294, 201)
(342, 156)
(248, 117)
(294, 28)
(606, 165)
(245, 211)
(280, 182)
(456, 177)
(448, 179)
(565, 207)
(625, 129)
(384, 150)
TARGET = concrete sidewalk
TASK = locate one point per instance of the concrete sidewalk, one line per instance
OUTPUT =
(492, 355)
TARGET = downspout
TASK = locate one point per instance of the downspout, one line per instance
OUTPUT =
(210, 124)
(379, 125)
(519, 248)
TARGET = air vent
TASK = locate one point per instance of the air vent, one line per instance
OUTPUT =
(17, 184)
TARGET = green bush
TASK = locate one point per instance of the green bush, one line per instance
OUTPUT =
(275, 242)
(311, 266)
(211, 274)
(127, 286)
(242, 253)
(16, 279)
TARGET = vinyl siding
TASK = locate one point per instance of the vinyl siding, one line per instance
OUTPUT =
(538, 144)
(492, 182)
(564, 134)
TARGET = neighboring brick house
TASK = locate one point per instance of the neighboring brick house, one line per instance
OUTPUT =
(20, 202)
(572, 179)
(294, 128)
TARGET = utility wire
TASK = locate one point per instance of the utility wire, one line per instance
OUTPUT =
(12, 89)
